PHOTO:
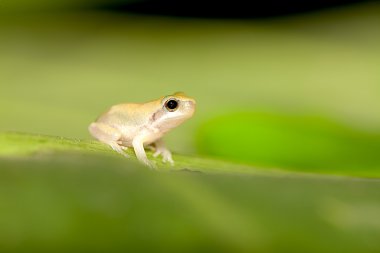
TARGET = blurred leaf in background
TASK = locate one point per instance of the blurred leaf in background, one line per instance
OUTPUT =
(298, 142)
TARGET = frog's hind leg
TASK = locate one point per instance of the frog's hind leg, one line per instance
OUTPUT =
(108, 135)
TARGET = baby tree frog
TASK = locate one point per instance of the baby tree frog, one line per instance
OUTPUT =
(143, 125)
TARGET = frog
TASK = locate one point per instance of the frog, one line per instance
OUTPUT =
(142, 125)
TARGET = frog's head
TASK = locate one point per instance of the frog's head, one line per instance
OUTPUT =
(175, 109)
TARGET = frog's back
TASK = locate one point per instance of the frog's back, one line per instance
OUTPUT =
(121, 114)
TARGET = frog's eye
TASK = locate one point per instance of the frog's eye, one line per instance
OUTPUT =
(171, 105)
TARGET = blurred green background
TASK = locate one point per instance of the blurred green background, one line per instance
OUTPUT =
(60, 69)
(297, 93)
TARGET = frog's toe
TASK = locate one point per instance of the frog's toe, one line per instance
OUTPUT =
(152, 165)
(170, 160)
(157, 153)
(167, 157)
(119, 149)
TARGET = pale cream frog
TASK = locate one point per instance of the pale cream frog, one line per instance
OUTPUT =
(139, 125)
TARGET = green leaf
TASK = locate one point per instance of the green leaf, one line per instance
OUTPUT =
(63, 195)
(29, 145)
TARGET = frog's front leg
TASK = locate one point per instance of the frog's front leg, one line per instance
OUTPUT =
(107, 135)
(163, 151)
(138, 145)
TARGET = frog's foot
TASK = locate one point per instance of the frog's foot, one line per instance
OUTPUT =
(165, 153)
(123, 147)
(118, 148)
(151, 164)
(147, 162)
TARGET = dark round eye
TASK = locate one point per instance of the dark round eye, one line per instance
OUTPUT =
(171, 105)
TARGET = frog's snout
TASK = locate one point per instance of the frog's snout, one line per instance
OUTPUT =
(190, 106)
